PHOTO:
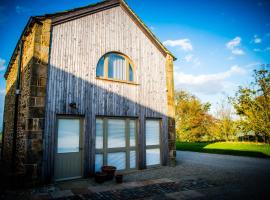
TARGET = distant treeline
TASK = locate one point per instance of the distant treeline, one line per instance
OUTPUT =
(246, 116)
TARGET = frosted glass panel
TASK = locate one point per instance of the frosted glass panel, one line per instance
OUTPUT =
(116, 67)
(99, 134)
(116, 133)
(152, 132)
(152, 157)
(68, 135)
(98, 162)
(132, 133)
(132, 159)
(117, 159)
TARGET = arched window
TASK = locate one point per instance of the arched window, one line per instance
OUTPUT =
(115, 66)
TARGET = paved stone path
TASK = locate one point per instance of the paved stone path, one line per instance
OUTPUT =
(197, 176)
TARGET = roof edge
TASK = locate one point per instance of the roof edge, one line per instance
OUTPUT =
(125, 5)
(68, 15)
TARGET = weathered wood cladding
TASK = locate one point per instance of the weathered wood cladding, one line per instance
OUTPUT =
(76, 47)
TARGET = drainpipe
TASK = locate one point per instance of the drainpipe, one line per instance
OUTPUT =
(15, 124)
(2, 144)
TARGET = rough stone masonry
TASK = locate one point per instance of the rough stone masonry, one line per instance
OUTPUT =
(31, 106)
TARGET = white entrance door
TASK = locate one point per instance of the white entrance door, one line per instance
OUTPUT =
(68, 158)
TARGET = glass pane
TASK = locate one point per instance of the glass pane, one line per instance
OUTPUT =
(100, 68)
(117, 159)
(98, 162)
(99, 134)
(132, 161)
(131, 76)
(116, 67)
(152, 157)
(152, 132)
(116, 133)
(68, 135)
(132, 133)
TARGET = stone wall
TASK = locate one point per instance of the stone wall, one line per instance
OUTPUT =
(31, 109)
(171, 111)
(36, 106)
(9, 113)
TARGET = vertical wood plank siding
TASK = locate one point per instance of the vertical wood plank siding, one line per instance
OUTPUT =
(76, 47)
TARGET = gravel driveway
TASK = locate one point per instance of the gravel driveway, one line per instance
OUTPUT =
(215, 176)
(235, 177)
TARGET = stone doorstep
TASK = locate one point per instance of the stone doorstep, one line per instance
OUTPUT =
(192, 194)
(41, 197)
(44, 190)
(61, 193)
(127, 185)
(78, 191)
(73, 184)
(71, 188)
(184, 195)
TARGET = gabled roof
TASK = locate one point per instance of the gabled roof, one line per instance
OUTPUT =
(61, 17)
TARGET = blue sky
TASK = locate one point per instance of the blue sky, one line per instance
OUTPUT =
(217, 42)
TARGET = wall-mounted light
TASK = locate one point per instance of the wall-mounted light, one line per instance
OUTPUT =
(73, 105)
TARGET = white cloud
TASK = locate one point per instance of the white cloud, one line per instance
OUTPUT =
(196, 62)
(261, 50)
(184, 44)
(256, 39)
(3, 16)
(2, 91)
(260, 4)
(21, 9)
(252, 66)
(2, 64)
(234, 44)
(188, 58)
(152, 27)
(238, 52)
(207, 83)
(257, 50)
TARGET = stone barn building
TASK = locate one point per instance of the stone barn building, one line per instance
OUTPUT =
(85, 88)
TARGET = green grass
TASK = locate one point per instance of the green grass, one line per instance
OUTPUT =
(229, 148)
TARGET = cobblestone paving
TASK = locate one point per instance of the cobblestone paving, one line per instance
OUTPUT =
(132, 193)
(195, 184)
(197, 176)
(149, 191)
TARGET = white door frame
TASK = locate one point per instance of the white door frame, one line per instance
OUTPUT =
(81, 144)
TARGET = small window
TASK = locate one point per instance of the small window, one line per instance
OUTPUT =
(115, 66)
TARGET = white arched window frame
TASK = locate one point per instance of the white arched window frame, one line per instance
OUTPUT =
(116, 66)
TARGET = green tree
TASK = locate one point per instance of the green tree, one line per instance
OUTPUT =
(192, 119)
(226, 127)
(252, 104)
